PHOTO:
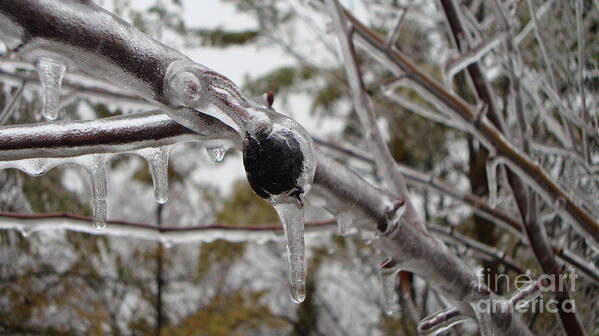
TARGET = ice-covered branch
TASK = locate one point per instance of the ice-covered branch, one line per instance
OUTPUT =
(109, 135)
(28, 224)
(478, 205)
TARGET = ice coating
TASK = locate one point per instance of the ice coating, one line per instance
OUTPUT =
(441, 321)
(292, 218)
(388, 276)
(158, 162)
(51, 72)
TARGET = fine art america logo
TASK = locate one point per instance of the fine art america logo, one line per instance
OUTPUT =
(525, 289)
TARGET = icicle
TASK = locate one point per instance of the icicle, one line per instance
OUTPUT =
(50, 71)
(97, 173)
(440, 321)
(158, 161)
(492, 180)
(34, 167)
(388, 274)
(292, 217)
(344, 223)
(216, 149)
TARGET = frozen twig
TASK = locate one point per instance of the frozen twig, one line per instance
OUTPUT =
(394, 33)
(472, 55)
(28, 224)
(385, 163)
(10, 107)
(480, 248)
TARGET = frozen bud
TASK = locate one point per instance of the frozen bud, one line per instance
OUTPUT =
(279, 159)
(273, 162)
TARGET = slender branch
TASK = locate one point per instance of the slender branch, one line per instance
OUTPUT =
(9, 108)
(394, 33)
(384, 160)
(479, 247)
(169, 235)
(31, 223)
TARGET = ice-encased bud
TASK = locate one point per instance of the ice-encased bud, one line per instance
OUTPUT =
(279, 158)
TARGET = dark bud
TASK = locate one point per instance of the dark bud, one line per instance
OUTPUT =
(273, 163)
(270, 98)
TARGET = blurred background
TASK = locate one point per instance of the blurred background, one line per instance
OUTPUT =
(69, 283)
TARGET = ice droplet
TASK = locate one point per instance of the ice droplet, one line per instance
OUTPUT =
(491, 167)
(216, 149)
(51, 72)
(344, 223)
(292, 218)
(388, 275)
(440, 321)
(158, 161)
(97, 172)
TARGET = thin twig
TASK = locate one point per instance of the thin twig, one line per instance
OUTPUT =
(384, 160)
(9, 108)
